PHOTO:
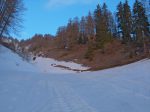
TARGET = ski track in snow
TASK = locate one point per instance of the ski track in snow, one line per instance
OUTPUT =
(44, 95)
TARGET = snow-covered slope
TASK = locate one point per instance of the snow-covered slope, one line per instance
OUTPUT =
(25, 88)
(13, 61)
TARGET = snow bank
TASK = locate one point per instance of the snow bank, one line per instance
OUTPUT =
(51, 65)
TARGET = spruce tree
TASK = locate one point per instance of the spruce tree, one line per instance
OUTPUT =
(105, 17)
(97, 17)
(83, 35)
(120, 19)
(124, 21)
(107, 21)
(141, 24)
(127, 28)
(100, 28)
(90, 27)
(75, 29)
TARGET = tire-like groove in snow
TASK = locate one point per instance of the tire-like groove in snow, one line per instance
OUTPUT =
(62, 98)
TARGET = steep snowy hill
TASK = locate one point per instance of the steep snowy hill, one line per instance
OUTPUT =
(13, 61)
(26, 88)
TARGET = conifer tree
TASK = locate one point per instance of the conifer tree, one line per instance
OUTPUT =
(105, 17)
(90, 27)
(141, 24)
(100, 27)
(127, 28)
(124, 21)
(83, 36)
(120, 19)
(107, 22)
(97, 17)
(75, 29)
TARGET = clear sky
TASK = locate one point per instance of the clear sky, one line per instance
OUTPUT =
(45, 16)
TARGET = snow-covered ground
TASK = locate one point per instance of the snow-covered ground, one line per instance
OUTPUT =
(25, 87)
(50, 65)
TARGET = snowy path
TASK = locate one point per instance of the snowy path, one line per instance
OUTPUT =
(66, 100)
(39, 93)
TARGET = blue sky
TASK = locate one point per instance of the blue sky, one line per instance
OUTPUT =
(45, 16)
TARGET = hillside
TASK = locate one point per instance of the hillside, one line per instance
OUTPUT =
(15, 62)
(116, 53)
(25, 88)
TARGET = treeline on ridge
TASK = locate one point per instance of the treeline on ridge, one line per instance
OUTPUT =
(100, 27)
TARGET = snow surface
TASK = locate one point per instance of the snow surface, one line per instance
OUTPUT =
(25, 88)
(48, 65)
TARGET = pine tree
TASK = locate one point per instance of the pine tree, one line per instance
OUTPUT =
(112, 28)
(90, 27)
(69, 35)
(75, 29)
(107, 22)
(146, 4)
(141, 24)
(127, 28)
(83, 37)
(100, 28)
(97, 17)
(61, 37)
(120, 19)
(90, 32)
(124, 21)
(105, 17)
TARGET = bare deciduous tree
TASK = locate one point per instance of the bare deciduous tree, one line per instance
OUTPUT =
(10, 16)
